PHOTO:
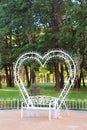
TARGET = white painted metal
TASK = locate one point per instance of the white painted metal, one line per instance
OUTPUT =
(50, 55)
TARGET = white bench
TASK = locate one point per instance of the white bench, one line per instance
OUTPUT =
(40, 103)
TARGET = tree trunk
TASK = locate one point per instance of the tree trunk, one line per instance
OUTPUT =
(77, 82)
(7, 76)
(57, 76)
(12, 76)
(27, 76)
(82, 78)
(48, 77)
(56, 17)
(66, 68)
(0, 82)
(32, 76)
(62, 76)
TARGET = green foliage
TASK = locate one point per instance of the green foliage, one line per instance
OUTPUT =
(41, 25)
(29, 16)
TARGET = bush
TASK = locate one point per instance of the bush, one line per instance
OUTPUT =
(34, 89)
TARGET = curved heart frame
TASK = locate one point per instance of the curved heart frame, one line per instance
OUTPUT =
(42, 61)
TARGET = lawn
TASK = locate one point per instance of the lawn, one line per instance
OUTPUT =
(74, 93)
(9, 93)
(46, 89)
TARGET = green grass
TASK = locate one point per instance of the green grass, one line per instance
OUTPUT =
(46, 89)
(74, 93)
(78, 94)
(9, 93)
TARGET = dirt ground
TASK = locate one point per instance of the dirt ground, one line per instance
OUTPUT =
(10, 120)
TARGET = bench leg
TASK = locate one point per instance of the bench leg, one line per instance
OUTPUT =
(49, 113)
(21, 112)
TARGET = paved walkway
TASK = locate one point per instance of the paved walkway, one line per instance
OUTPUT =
(10, 120)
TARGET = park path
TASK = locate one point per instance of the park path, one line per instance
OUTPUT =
(10, 120)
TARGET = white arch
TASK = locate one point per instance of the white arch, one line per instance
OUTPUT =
(35, 56)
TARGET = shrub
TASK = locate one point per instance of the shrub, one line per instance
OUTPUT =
(34, 89)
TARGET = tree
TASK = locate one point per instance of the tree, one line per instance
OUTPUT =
(80, 20)
(14, 33)
(42, 25)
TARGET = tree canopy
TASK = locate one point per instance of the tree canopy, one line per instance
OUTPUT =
(41, 25)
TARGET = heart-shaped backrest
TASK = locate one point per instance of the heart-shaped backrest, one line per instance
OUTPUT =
(42, 61)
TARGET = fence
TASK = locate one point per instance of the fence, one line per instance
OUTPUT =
(10, 103)
(76, 104)
(16, 104)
